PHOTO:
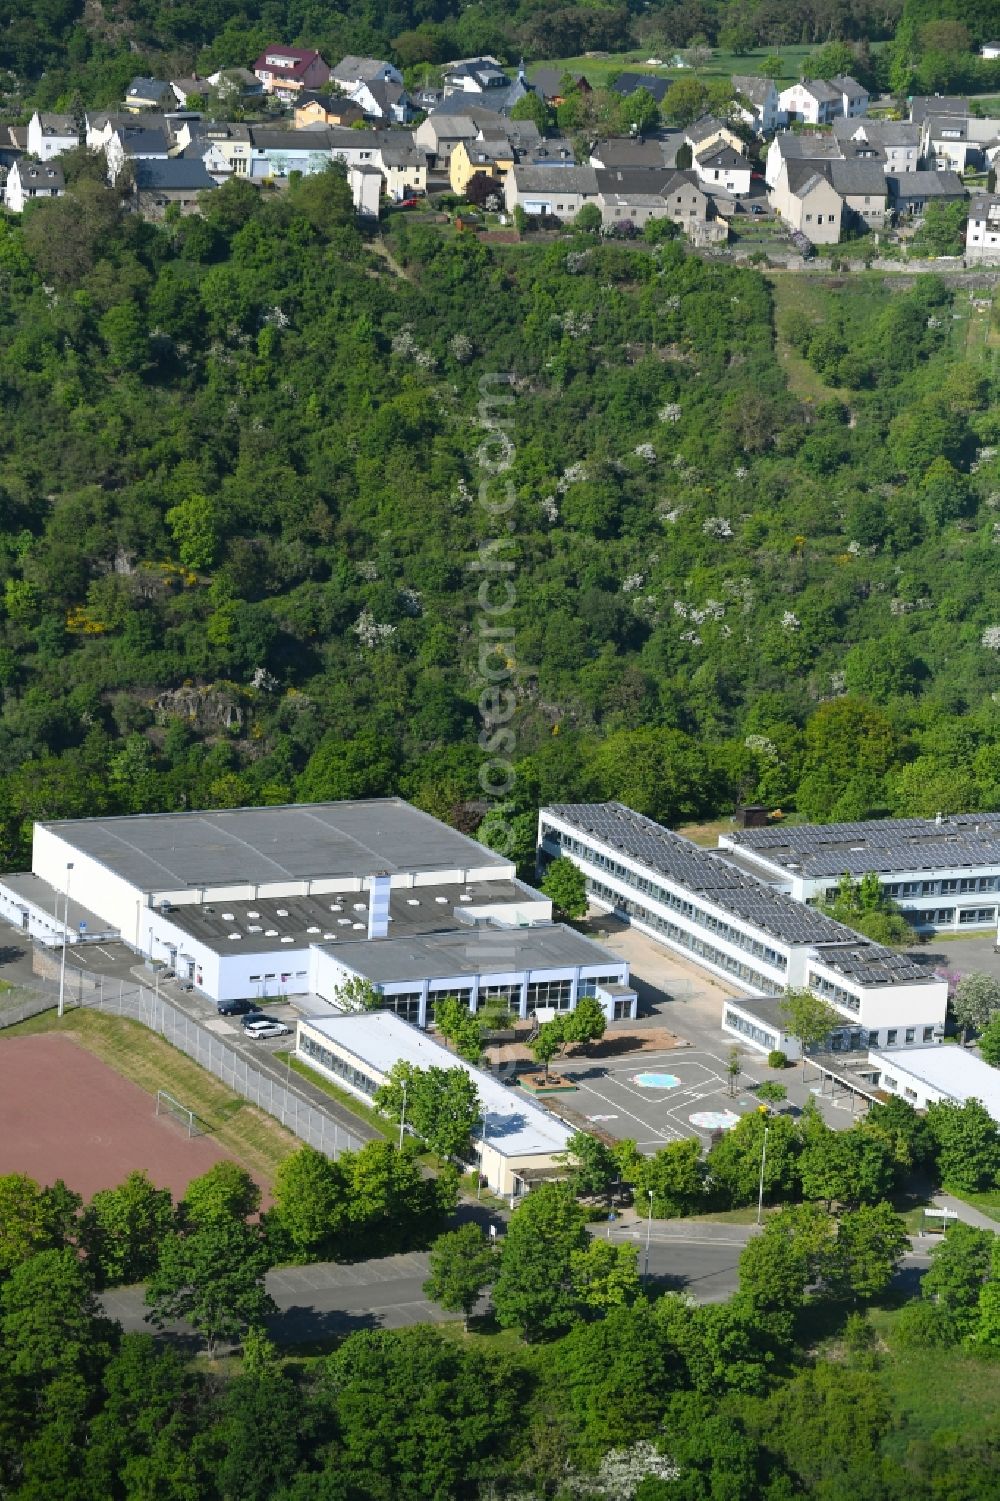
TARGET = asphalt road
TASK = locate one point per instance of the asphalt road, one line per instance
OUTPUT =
(326, 1299)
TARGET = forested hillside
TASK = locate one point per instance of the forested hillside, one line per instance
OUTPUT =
(240, 490)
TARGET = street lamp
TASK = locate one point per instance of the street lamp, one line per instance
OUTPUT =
(62, 968)
(649, 1231)
(482, 1161)
(763, 1159)
(402, 1118)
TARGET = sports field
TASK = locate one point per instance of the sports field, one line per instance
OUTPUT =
(65, 1114)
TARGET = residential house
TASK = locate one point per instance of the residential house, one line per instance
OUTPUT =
(922, 105)
(990, 50)
(351, 71)
(195, 90)
(757, 103)
(366, 190)
(276, 152)
(911, 192)
(28, 181)
(982, 233)
(862, 188)
(551, 192)
(481, 81)
(788, 146)
(895, 143)
(811, 101)
(854, 96)
(720, 168)
(440, 133)
(325, 109)
(384, 99)
(402, 163)
(133, 143)
(149, 93)
(808, 202)
(236, 83)
(357, 148)
(178, 181)
(951, 143)
(553, 84)
(642, 193)
(554, 151)
(629, 83)
(50, 135)
(708, 131)
(287, 71)
(634, 151)
(225, 148)
(492, 158)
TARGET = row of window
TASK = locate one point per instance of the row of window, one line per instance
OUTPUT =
(681, 938)
(951, 886)
(667, 898)
(750, 1029)
(336, 1065)
(835, 993)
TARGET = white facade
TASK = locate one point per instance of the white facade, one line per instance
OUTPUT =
(982, 233)
(724, 169)
(758, 104)
(936, 1075)
(810, 103)
(28, 181)
(51, 135)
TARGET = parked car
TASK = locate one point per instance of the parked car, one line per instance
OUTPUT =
(757, 208)
(236, 1008)
(256, 1030)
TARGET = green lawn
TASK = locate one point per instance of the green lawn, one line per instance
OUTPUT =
(935, 1390)
(342, 1096)
(249, 1135)
(723, 64)
(987, 1203)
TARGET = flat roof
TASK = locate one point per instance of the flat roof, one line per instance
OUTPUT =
(960, 1075)
(718, 880)
(884, 845)
(260, 925)
(25, 886)
(294, 842)
(515, 1125)
(471, 951)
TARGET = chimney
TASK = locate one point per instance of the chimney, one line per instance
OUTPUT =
(378, 905)
(939, 819)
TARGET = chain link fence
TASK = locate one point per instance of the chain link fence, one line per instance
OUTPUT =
(20, 1004)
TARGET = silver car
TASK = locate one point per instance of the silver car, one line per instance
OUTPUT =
(266, 1029)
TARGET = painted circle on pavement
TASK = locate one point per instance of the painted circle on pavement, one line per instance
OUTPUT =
(714, 1120)
(656, 1081)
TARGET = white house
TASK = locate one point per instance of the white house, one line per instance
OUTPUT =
(134, 143)
(403, 165)
(811, 101)
(935, 1075)
(895, 143)
(366, 190)
(757, 103)
(853, 95)
(557, 192)
(50, 135)
(788, 146)
(276, 153)
(720, 168)
(982, 233)
(808, 202)
(384, 99)
(352, 71)
(28, 181)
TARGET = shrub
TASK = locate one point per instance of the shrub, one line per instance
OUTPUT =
(777, 1059)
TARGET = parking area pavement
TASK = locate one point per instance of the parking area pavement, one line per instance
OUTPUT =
(963, 953)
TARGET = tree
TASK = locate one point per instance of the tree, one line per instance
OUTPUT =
(212, 1276)
(734, 1068)
(961, 1264)
(49, 1319)
(226, 1192)
(864, 905)
(31, 1220)
(484, 191)
(605, 1275)
(844, 1167)
(589, 218)
(685, 100)
(593, 1166)
(968, 1145)
(532, 106)
(943, 229)
(773, 66)
(807, 1018)
(442, 1105)
(777, 1266)
(771, 1092)
(122, 1228)
(734, 1162)
(458, 1026)
(194, 524)
(547, 1042)
(639, 112)
(566, 887)
(904, 1132)
(675, 1176)
(870, 1244)
(976, 1001)
(357, 994)
(586, 1023)
(534, 1290)
(989, 1042)
(463, 1263)
(310, 1202)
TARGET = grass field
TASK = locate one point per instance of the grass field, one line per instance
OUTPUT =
(935, 1390)
(600, 68)
(794, 291)
(342, 1096)
(243, 1131)
(987, 1203)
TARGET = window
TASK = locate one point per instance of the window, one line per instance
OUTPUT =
(337, 1065)
(751, 1030)
(889, 1081)
(911, 1094)
(406, 1006)
(873, 1039)
(509, 993)
(928, 1034)
(555, 993)
(978, 915)
(890, 1040)
(910, 1035)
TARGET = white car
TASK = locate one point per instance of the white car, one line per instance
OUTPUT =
(266, 1029)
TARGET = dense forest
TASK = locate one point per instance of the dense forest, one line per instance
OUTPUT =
(240, 472)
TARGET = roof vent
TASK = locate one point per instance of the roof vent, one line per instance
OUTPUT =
(287, 939)
(281, 911)
(235, 937)
(312, 930)
(271, 933)
(359, 927)
(228, 917)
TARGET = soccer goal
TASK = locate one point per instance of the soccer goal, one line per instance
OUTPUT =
(167, 1105)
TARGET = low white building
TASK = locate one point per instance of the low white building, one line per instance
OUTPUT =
(932, 1075)
(720, 168)
(556, 192)
(757, 103)
(943, 872)
(29, 181)
(518, 1142)
(811, 101)
(982, 232)
(366, 190)
(721, 917)
(50, 135)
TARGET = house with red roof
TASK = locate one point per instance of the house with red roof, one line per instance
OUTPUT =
(286, 71)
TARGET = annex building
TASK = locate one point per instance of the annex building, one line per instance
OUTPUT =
(944, 872)
(259, 902)
(738, 927)
(520, 1141)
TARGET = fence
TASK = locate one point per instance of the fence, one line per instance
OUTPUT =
(278, 1099)
(30, 1003)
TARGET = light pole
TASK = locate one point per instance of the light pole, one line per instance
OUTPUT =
(62, 968)
(649, 1231)
(482, 1162)
(402, 1119)
(760, 1196)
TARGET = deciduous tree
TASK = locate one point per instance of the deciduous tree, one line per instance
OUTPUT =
(463, 1263)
